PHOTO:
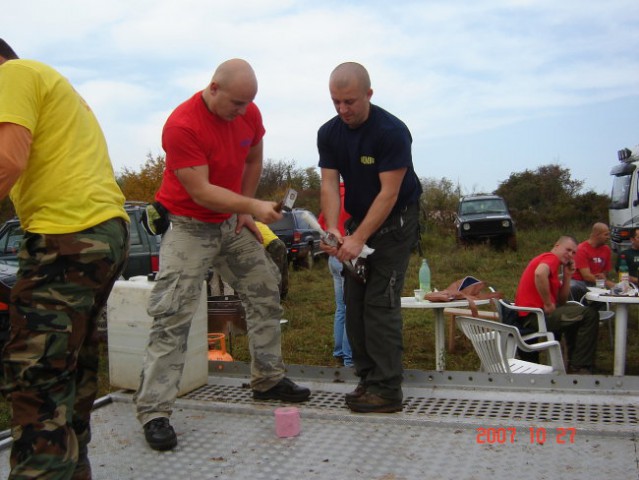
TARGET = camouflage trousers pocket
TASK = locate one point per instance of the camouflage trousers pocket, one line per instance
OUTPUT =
(164, 299)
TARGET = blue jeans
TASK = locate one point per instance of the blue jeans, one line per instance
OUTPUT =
(342, 346)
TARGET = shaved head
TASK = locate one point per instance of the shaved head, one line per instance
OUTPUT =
(235, 72)
(348, 74)
(232, 88)
(599, 227)
(351, 92)
(600, 234)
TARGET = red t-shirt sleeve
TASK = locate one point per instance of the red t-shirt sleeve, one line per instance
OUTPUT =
(182, 148)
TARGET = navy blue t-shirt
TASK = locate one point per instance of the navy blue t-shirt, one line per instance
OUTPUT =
(381, 144)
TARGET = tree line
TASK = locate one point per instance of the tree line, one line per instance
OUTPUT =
(546, 196)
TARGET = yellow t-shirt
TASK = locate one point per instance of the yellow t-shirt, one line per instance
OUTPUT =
(267, 233)
(69, 184)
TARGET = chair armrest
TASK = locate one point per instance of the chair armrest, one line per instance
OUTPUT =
(531, 336)
(533, 347)
(541, 319)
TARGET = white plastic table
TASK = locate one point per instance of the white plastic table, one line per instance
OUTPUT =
(440, 322)
(620, 303)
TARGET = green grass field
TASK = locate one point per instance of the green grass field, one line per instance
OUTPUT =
(307, 339)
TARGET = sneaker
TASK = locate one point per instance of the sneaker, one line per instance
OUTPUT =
(285, 390)
(373, 403)
(355, 394)
(159, 434)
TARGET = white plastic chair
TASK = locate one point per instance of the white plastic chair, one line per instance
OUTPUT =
(497, 343)
(541, 330)
(499, 304)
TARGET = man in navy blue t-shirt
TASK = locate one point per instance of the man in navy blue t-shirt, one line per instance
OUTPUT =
(371, 150)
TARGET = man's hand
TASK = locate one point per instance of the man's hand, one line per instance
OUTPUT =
(569, 269)
(244, 220)
(265, 211)
(549, 308)
(332, 249)
(350, 249)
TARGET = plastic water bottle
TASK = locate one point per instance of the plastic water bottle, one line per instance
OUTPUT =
(424, 276)
(623, 274)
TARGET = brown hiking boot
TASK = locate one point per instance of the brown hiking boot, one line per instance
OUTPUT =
(373, 403)
(355, 394)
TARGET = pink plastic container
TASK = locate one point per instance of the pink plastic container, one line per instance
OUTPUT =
(287, 422)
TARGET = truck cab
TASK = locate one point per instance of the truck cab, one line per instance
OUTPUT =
(623, 211)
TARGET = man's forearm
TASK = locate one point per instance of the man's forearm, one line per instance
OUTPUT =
(251, 179)
(252, 170)
(15, 147)
(383, 204)
(375, 217)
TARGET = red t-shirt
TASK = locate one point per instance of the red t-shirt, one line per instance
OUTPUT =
(587, 256)
(193, 136)
(527, 293)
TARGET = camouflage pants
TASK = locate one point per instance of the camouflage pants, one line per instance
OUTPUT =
(51, 359)
(188, 250)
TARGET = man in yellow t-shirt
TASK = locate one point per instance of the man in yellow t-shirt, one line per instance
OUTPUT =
(55, 165)
(276, 249)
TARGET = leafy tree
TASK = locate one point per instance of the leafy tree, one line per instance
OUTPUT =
(439, 194)
(142, 185)
(278, 176)
(550, 196)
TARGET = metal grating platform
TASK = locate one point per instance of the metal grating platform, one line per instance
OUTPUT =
(586, 415)
(452, 427)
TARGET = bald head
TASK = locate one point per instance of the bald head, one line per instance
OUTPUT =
(232, 88)
(565, 248)
(350, 74)
(351, 92)
(235, 72)
(599, 235)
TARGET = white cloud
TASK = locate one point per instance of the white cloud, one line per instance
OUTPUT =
(451, 70)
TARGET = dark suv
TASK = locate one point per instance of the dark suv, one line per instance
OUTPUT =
(143, 248)
(485, 217)
(301, 239)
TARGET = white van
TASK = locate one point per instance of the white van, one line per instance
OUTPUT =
(623, 211)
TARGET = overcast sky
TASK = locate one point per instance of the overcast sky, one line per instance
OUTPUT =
(487, 87)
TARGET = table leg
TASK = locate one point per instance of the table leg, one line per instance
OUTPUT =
(440, 340)
(621, 327)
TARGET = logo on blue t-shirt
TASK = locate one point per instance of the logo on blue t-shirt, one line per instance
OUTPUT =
(366, 160)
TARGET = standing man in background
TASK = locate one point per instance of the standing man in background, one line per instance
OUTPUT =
(213, 145)
(371, 150)
(54, 160)
(341, 346)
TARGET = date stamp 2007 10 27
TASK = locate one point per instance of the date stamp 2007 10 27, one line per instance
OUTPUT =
(536, 435)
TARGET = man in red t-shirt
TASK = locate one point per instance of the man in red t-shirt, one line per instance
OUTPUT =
(542, 287)
(592, 261)
(213, 145)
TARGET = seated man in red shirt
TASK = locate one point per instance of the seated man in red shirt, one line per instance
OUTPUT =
(592, 261)
(541, 286)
